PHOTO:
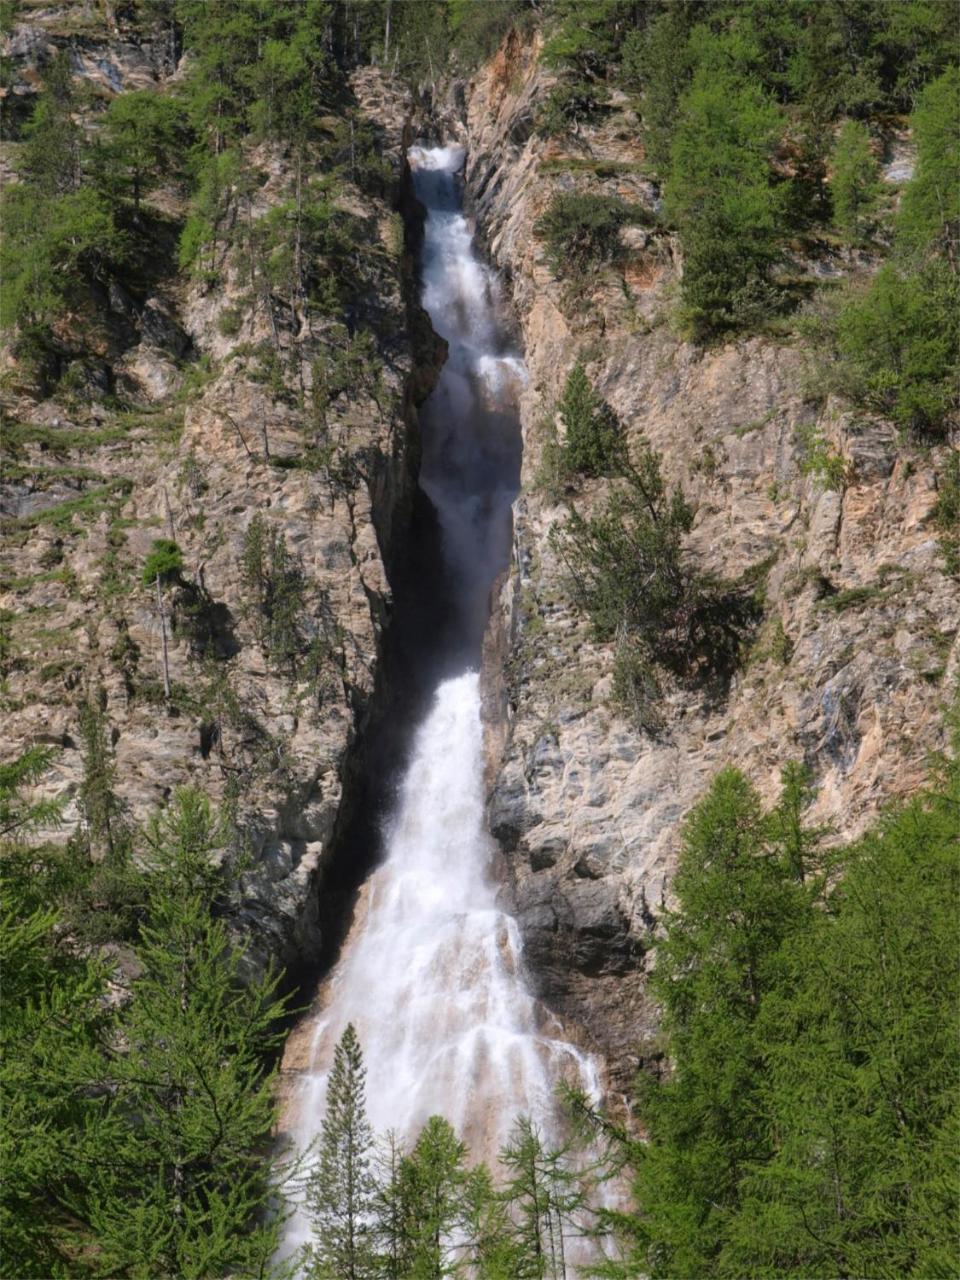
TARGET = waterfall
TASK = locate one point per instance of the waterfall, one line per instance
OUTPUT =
(431, 972)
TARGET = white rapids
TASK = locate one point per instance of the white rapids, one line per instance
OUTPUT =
(431, 974)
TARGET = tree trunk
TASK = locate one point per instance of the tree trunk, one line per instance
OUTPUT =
(163, 641)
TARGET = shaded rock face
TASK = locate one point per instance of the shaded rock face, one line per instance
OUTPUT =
(857, 649)
(208, 443)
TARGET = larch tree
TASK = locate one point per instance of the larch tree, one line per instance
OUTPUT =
(187, 1184)
(434, 1176)
(340, 1193)
(855, 184)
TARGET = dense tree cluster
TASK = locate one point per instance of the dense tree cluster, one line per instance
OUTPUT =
(763, 124)
(381, 1212)
(135, 1124)
(808, 1124)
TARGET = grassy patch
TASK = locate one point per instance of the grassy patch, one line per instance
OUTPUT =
(86, 507)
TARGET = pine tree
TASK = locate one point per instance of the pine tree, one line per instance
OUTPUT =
(928, 221)
(721, 959)
(434, 1178)
(52, 146)
(52, 1014)
(97, 799)
(541, 1191)
(340, 1195)
(390, 1212)
(855, 184)
(143, 138)
(721, 197)
(593, 441)
(492, 1249)
(192, 1100)
(861, 1082)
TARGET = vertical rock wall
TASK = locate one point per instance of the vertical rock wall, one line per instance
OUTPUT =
(857, 651)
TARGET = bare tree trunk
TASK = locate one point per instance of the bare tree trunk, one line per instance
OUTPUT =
(171, 530)
(163, 641)
(386, 35)
(299, 249)
(234, 424)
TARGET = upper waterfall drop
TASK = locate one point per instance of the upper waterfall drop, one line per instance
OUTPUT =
(431, 972)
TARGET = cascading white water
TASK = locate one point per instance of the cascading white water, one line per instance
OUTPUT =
(431, 973)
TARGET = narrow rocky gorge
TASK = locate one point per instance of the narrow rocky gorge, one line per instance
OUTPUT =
(856, 646)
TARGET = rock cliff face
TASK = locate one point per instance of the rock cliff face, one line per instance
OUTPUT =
(858, 645)
(192, 410)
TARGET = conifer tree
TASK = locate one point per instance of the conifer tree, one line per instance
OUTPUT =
(855, 183)
(434, 1177)
(51, 153)
(542, 1194)
(721, 197)
(721, 958)
(861, 1082)
(192, 1099)
(340, 1194)
(390, 1215)
(492, 1248)
(51, 1015)
(593, 443)
(98, 800)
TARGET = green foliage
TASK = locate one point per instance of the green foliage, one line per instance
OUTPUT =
(818, 460)
(275, 585)
(568, 105)
(51, 1016)
(192, 1102)
(53, 247)
(97, 799)
(586, 35)
(542, 1193)
(898, 338)
(741, 895)
(946, 513)
(635, 689)
(477, 26)
(340, 1194)
(142, 140)
(899, 341)
(582, 231)
(209, 210)
(929, 217)
(629, 572)
(134, 1132)
(433, 1177)
(51, 157)
(859, 1081)
(660, 62)
(165, 562)
(722, 199)
(808, 1121)
(593, 442)
(20, 817)
(855, 183)
(627, 564)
